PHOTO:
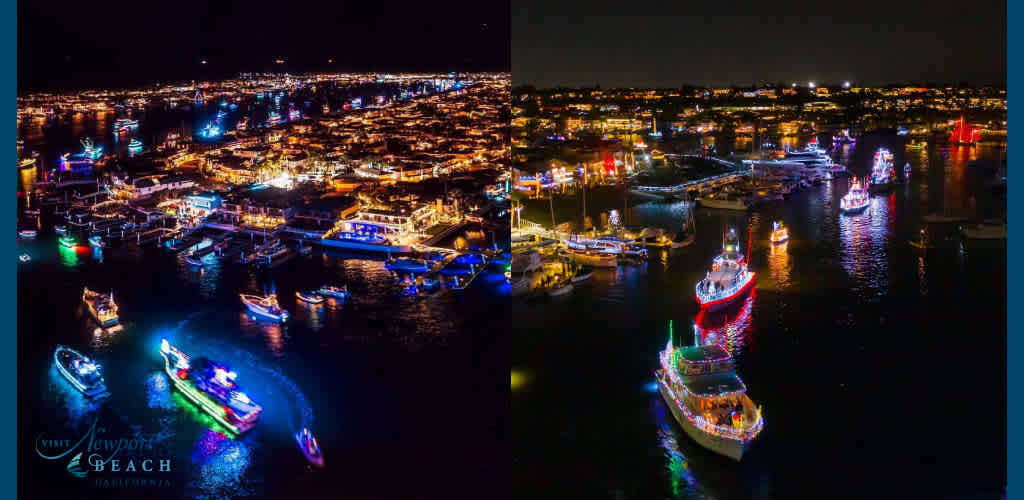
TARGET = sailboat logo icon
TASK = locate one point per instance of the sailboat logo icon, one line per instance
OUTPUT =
(75, 468)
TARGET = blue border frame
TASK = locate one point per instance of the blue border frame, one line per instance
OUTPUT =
(1014, 207)
(9, 296)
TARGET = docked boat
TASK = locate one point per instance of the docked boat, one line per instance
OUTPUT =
(273, 254)
(592, 258)
(708, 399)
(334, 292)
(780, 233)
(101, 307)
(310, 448)
(653, 237)
(408, 265)
(134, 146)
(310, 297)
(985, 232)
(81, 372)
(856, 199)
(723, 202)
(97, 241)
(728, 279)
(26, 163)
(367, 242)
(60, 229)
(265, 306)
(27, 234)
(212, 387)
(882, 173)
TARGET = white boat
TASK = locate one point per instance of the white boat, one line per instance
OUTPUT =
(728, 279)
(856, 199)
(592, 258)
(265, 306)
(560, 288)
(723, 203)
(582, 275)
(707, 398)
(27, 234)
(985, 232)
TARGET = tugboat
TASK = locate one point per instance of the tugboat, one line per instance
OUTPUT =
(882, 173)
(312, 297)
(729, 277)
(101, 307)
(779, 233)
(708, 399)
(211, 386)
(309, 447)
(855, 200)
(335, 292)
(83, 373)
(265, 306)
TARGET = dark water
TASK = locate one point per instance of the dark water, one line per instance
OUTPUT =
(881, 369)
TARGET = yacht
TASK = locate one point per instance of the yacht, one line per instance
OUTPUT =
(856, 199)
(728, 279)
(592, 258)
(708, 399)
(101, 307)
(882, 173)
(83, 373)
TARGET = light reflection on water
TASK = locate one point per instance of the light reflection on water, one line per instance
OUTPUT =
(864, 246)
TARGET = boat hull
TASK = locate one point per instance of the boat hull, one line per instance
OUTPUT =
(728, 447)
(724, 302)
(365, 247)
(722, 204)
(854, 210)
(603, 260)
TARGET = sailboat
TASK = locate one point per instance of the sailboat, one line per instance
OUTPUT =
(688, 235)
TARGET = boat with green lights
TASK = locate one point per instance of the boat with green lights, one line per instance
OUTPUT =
(211, 387)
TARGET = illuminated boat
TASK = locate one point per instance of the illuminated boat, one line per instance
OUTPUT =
(83, 373)
(408, 265)
(592, 258)
(101, 306)
(89, 155)
(211, 386)
(309, 447)
(364, 241)
(134, 146)
(653, 237)
(906, 171)
(728, 279)
(313, 297)
(856, 199)
(97, 241)
(882, 172)
(560, 288)
(60, 229)
(210, 131)
(27, 234)
(294, 114)
(336, 292)
(26, 163)
(708, 399)
(24, 257)
(221, 114)
(274, 118)
(67, 241)
(125, 124)
(779, 232)
(192, 260)
(265, 306)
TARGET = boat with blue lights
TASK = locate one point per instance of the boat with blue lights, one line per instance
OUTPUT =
(265, 306)
(134, 145)
(364, 241)
(310, 448)
(97, 241)
(101, 306)
(729, 277)
(212, 387)
(194, 260)
(125, 124)
(882, 172)
(60, 229)
(856, 199)
(334, 292)
(27, 234)
(25, 257)
(310, 297)
(81, 372)
(708, 399)
(210, 131)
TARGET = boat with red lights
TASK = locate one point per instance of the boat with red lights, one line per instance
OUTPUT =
(729, 277)
(211, 386)
(708, 398)
(856, 199)
(310, 448)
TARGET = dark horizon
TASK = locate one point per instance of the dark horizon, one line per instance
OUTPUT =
(650, 45)
(64, 45)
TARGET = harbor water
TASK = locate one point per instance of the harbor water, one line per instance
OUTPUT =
(880, 367)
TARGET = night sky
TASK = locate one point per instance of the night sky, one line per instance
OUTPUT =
(644, 43)
(77, 43)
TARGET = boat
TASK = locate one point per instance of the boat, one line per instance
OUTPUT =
(27, 234)
(856, 199)
(60, 229)
(97, 241)
(559, 288)
(708, 399)
(125, 124)
(134, 146)
(26, 163)
(780, 233)
(309, 447)
(24, 257)
(408, 265)
(653, 237)
(265, 306)
(335, 292)
(274, 118)
(728, 279)
(273, 253)
(83, 373)
(722, 202)
(985, 232)
(592, 258)
(688, 234)
(211, 386)
(67, 241)
(922, 242)
(906, 171)
(882, 173)
(312, 297)
(101, 306)
(368, 242)
(33, 212)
